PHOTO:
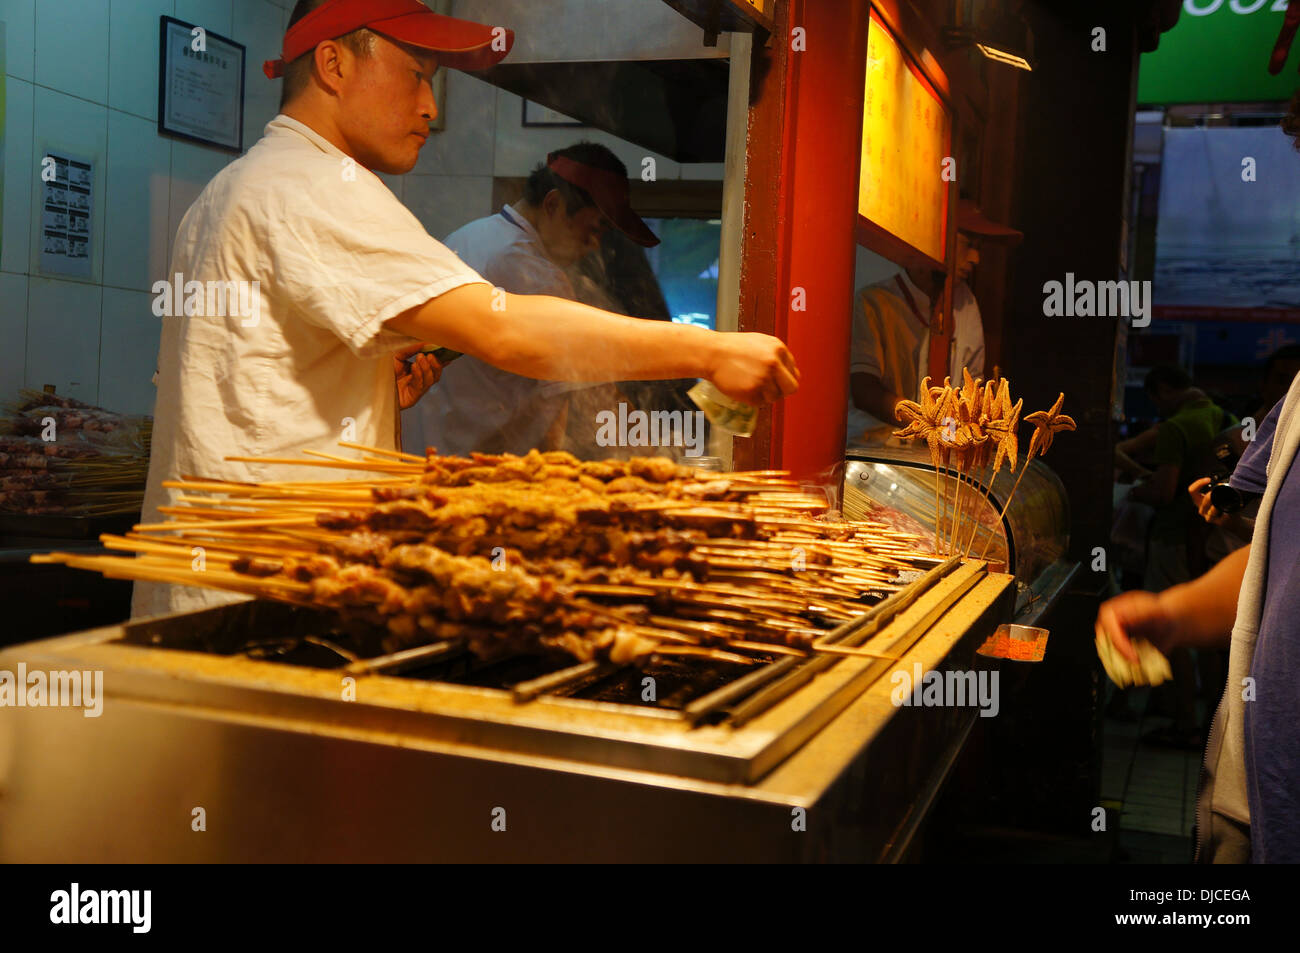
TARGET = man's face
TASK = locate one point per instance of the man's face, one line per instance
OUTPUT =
(968, 256)
(569, 237)
(386, 105)
(1162, 395)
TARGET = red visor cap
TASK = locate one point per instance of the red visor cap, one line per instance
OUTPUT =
(971, 219)
(460, 44)
(611, 194)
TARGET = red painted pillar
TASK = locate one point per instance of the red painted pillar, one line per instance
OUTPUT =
(817, 249)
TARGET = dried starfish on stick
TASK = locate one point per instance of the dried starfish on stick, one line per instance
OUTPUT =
(965, 427)
(1047, 423)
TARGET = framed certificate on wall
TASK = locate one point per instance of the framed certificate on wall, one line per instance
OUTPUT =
(200, 85)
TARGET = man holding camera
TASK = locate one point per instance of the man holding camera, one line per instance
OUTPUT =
(1249, 804)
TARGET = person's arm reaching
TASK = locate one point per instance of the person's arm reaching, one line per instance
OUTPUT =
(1127, 450)
(1196, 614)
(871, 395)
(1158, 489)
(554, 339)
(1142, 444)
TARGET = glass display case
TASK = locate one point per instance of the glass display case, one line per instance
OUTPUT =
(898, 485)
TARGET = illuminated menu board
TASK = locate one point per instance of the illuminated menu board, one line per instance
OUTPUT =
(905, 136)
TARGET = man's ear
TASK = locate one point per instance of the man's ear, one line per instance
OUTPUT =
(553, 204)
(328, 65)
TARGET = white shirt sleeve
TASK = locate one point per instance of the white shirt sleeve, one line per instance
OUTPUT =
(968, 336)
(352, 257)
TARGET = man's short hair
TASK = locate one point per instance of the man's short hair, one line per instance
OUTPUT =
(297, 74)
(542, 180)
(1170, 375)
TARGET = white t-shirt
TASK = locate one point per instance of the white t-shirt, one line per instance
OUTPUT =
(335, 255)
(967, 348)
(476, 406)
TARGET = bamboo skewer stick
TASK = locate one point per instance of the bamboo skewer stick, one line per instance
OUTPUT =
(335, 457)
(349, 465)
(976, 524)
(227, 524)
(1023, 467)
(379, 451)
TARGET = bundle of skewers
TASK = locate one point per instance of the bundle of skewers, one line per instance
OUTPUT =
(61, 456)
(972, 431)
(543, 554)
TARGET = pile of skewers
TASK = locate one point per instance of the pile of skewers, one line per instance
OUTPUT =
(973, 430)
(541, 554)
(62, 457)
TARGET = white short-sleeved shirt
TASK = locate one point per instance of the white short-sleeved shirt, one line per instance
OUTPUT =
(476, 406)
(967, 348)
(335, 255)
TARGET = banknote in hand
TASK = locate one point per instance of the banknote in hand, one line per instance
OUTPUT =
(730, 415)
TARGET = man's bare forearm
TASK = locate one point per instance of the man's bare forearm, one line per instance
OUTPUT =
(1205, 609)
(871, 395)
(556, 339)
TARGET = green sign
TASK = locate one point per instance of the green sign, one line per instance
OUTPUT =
(1218, 53)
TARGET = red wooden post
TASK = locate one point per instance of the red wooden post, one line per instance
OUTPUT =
(814, 223)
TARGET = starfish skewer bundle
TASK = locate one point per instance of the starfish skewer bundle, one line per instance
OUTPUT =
(964, 427)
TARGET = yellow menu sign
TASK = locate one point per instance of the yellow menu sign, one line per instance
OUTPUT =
(905, 136)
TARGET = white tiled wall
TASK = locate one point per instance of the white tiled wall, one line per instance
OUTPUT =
(83, 77)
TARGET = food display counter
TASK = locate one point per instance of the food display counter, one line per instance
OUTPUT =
(244, 716)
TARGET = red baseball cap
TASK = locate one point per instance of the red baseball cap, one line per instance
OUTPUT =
(971, 219)
(611, 194)
(460, 44)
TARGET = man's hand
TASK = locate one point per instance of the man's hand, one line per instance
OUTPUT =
(1197, 614)
(754, 368)
(417, 377)
(1136, 615)
(1200, 495)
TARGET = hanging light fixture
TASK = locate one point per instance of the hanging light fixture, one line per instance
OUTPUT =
(1006, 40)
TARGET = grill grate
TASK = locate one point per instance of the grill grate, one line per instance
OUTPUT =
(702, 690)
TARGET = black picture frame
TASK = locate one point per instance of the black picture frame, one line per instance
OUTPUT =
(165, 66)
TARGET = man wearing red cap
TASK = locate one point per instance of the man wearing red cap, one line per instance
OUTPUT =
(341, 276)
(527, 248)
(890, 352)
